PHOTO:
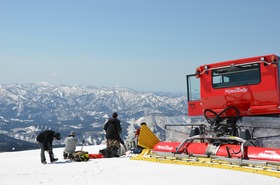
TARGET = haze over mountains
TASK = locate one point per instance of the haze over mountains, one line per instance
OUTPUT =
(26, 109)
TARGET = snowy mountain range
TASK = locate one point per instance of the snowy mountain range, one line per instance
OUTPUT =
(27, 109)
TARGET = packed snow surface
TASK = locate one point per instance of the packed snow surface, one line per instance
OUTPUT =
(25, 168)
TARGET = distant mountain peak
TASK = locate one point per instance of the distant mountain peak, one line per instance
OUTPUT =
(68, 107)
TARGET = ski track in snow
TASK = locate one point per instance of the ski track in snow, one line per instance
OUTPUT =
(24, 168)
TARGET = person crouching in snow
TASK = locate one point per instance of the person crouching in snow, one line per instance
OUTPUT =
(113, 130)
(45, 140)
(70, 145)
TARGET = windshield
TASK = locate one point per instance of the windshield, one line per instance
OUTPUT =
(236, 75)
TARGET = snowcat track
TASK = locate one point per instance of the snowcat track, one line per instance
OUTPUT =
(250, 166)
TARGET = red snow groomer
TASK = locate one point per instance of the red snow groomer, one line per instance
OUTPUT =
(223, 93)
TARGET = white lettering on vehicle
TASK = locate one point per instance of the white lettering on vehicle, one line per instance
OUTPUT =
(165, 147)
(269, 155)
(236, 90)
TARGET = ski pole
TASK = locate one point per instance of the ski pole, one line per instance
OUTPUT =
(82, 144)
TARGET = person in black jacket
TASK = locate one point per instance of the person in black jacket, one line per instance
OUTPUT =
(45, 140)
(113, 130)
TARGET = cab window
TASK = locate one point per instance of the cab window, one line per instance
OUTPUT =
(236, 75)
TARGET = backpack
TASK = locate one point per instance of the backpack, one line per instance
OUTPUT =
(105, 152)
(80, 156)
(109, 153)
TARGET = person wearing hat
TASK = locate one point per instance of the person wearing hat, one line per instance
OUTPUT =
(113, 130)
(45, 140)
(137, 132)
(70, 145)
(137, 149)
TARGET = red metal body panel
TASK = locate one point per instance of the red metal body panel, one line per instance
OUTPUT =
(233, 149)
(266, 154)
(251, 152)
(165, 146)
(251, 100)
(195, 108)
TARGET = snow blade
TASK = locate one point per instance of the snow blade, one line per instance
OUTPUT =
(250, 166)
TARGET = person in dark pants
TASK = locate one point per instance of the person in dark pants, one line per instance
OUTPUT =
(45, 140)
(113, 130)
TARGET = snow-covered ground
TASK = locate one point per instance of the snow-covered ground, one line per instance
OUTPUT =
(24, 168)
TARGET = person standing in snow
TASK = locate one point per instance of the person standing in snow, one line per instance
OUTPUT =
(113, 130)
(45, 140)
(70, 145)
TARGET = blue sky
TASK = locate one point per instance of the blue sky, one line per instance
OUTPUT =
(147, 45)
